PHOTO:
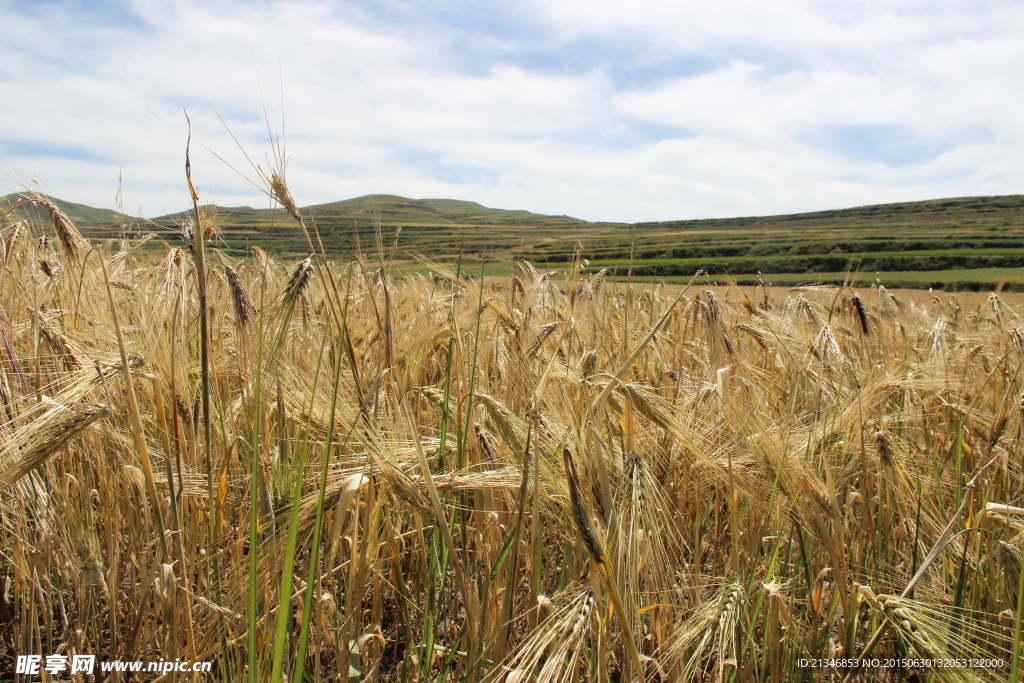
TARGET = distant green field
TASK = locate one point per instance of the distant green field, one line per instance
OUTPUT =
(973, 279)
(965, 243)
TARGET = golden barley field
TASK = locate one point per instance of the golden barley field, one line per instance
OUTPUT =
(324, 471)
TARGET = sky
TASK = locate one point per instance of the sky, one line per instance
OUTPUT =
(640, 111)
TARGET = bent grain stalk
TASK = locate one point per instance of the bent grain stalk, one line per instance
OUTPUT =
(597, 554)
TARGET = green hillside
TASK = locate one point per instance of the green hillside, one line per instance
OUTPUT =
(435, 226)
(79, 213)
(968, 242)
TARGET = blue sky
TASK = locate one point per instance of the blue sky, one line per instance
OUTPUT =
(647, 110)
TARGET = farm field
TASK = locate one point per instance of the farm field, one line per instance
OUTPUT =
(297, 467)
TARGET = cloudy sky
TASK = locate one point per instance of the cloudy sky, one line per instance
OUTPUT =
(628, 111)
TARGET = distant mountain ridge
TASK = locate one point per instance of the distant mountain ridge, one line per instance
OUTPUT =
(389, 209)
(394, 207)
(79, 213)
(386, 207)
(431, 225)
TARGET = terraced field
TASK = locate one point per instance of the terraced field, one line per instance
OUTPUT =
(969, 243)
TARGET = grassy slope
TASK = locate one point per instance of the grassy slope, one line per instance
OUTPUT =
(971, 242)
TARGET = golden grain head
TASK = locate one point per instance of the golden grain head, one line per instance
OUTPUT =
(70, 239)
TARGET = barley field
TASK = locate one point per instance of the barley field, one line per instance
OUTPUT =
(309, 470)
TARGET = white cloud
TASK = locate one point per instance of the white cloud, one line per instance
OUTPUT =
(603, 110)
